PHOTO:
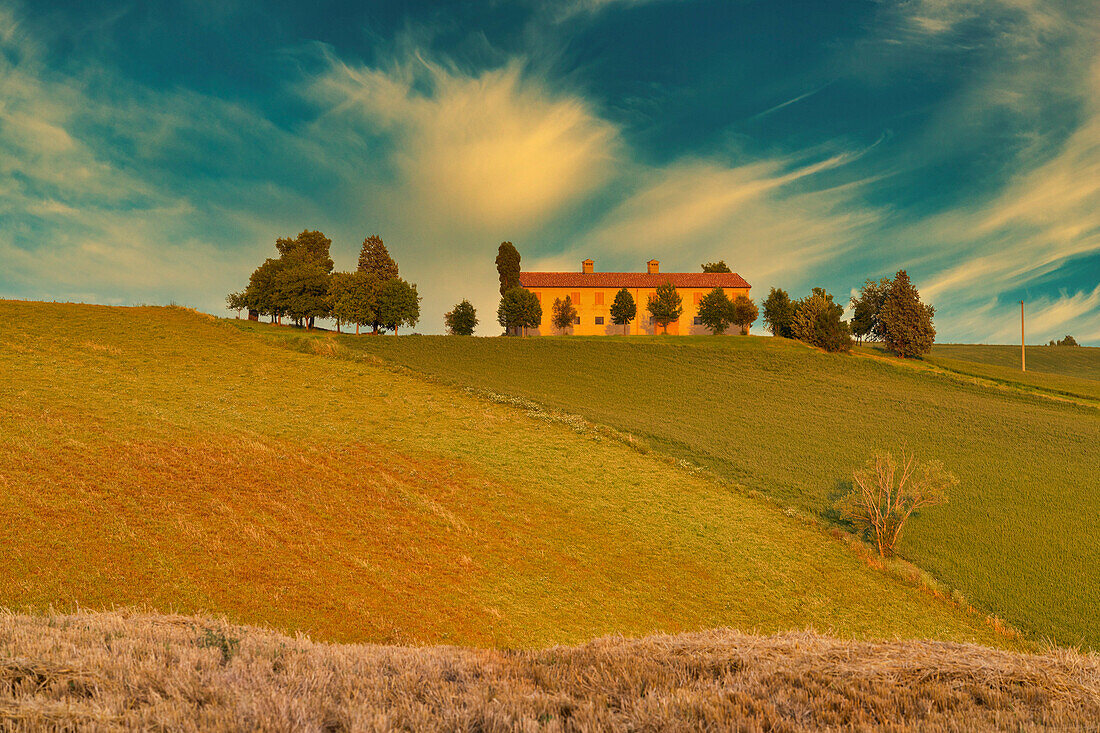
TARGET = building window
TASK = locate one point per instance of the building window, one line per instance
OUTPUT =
(698, 297)
(599, 320)
(538, 297)
(698, 321)
(599, 299)
(576, 297)
(577, 321)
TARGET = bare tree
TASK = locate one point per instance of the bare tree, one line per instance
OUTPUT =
(886, 492)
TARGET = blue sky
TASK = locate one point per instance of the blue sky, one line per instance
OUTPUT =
(151, 152)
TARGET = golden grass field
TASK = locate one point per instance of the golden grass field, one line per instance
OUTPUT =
(156, 457)
(185, 673)
(792, 423)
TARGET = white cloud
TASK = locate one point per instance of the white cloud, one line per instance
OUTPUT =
(488, 152)
(468, 160)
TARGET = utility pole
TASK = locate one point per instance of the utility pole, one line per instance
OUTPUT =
(1023, 354)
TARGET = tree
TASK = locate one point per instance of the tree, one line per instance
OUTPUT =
(867, 309)
(339, 286)
(719, 266)
(744, 312)
(623, 309)
(905, 321)
(309, 246)
(564, 313)
(238, 302)
(882, 499)
(302, 288)
(1067, 341)
(462, 319)
(779, 313)
(507, 267)
(262, 293)
(375, 259)
(519, 310)
(817, 322)
(716, 311)
(352, 298)
(397, 304)
(362, 300)
(665, 306)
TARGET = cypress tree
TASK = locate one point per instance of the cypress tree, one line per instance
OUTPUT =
(906, 322)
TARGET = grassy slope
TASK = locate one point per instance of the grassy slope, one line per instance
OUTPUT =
(1017, 537)
(154, 456)
(145, 672)
(1072, 373)
(1082, 362)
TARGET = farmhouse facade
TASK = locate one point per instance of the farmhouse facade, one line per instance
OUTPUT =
(593, 293)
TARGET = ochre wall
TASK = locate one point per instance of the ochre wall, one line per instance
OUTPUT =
(588, 311)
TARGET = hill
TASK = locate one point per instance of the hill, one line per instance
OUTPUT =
(158, 457)
(147, 672)
(1082, 362)
(781, 418)
(1070, 373)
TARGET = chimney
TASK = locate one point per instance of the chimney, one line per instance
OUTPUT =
(588, 266)
(653, 267)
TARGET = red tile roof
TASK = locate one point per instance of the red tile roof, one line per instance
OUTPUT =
(631, 279)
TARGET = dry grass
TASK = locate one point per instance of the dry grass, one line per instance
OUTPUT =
(793, 424)
(142, 671)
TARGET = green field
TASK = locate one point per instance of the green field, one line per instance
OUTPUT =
(1069, 361)
(158, 457)
(787, 420)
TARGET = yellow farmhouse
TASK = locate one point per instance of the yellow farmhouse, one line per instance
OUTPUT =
(593, 293)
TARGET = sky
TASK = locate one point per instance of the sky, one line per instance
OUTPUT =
(152, 152)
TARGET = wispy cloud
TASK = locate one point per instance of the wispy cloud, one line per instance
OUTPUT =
(753, 215)
(493, 151)
(81, 224)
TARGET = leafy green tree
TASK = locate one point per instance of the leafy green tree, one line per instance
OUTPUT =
(352, 297)
(817, 322)
(716, 311)
(374, 259)
(303, 288)
(719, 266)
(779, 313)
(238, 302)
(744, 312)
(906, 322)
(564, 313)
(519, 310)
(623, 309)
(462, 319)
(1067, 341)
(339, 285)
(665, 306)
(867, 309)
(397, 304)
(262, 293)
(309, 246)
(361, 300)
(507, 267)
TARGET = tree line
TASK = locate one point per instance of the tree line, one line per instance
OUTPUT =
(887, 310)
(300, 285)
